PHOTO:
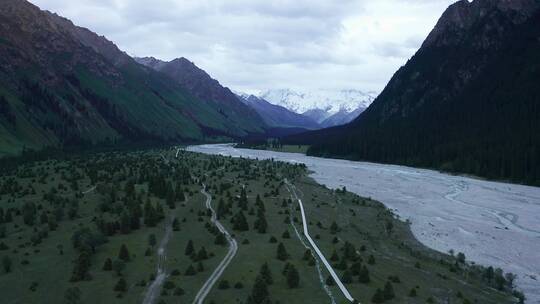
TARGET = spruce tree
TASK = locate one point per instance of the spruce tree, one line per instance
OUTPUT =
(259, 292)
(221, 209)
(363, 276)
(124, 253)
(243, 201)
(190, 249)
(121, 285)
(334, 228)
(200, 267)
(293, 277)
(388, 291)
(125, 223)
(240, 222)
(176, 225)
(266, 274)
(220, 239)
(190, 271)
(170, 199)
(107, 266)
(7, 263)
(81, 267)
(152, 240)
(202, 254)
(262, 225)
(282, 254)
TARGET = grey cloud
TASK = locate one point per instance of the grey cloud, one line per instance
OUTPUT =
(254, 44)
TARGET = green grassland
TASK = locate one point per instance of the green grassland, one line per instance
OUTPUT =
(61, 219)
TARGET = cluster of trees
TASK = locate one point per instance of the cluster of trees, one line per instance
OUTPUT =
(85, 241)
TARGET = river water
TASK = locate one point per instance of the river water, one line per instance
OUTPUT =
(493, 223)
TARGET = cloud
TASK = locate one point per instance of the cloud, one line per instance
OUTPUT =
(255, 44)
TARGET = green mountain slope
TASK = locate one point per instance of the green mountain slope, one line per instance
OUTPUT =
(64, 85)
(468, 101)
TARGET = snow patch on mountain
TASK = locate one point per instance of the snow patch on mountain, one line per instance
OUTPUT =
(329, 101)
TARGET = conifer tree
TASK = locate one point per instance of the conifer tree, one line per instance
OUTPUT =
(202, 254)
(190, 249)
(293, 277)
(121, 285)
(176, 225)
(190, 271)
(388, 291)
(259, 292)
(6, 264)
(81, 267)
(124, 253)
(282, 254)
(125, 223)
(152, 240)
(107, 266)
(363, 276)
(243, 201)
(200, 267)
(221, 209)
(220, 239)
(334, 228)
(261, 225)
(240, 222)
(266, 274)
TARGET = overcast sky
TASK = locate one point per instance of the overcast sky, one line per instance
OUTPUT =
(251, 45)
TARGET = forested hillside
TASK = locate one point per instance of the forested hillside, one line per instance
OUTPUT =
(62, 85)
(467, 101)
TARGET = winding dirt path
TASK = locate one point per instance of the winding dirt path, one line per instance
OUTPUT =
(233, 248)
(336, 278)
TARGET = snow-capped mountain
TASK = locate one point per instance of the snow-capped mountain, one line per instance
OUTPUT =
(321, 104)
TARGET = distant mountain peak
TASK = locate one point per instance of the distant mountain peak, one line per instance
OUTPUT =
(320, 104)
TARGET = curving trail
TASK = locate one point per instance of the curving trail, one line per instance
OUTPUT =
(336, 278)
(161, 274)
(233, 248)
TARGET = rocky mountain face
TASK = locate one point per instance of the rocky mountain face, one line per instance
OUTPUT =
(64, 85)
(277, 116)
(326, 107)
(201, 85)
(467, 101)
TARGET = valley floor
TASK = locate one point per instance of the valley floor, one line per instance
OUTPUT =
(134, 227)
(492, 223)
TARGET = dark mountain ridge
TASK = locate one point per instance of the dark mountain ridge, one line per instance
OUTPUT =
(467, 101)
(64, 85)
(277, 116)
(201, 85)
